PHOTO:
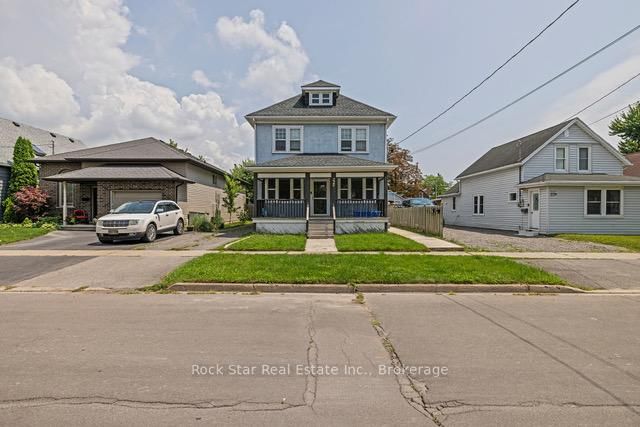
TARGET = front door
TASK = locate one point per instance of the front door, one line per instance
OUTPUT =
(535, 209)
(320, 197)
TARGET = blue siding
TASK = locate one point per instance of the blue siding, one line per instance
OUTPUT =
(320, 138)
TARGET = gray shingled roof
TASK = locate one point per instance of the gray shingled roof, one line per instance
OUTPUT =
(321, 83)
(311, 160)
(581, 177)
(296, 107)
(146, 149)
(119, 173)
(512, 152)
(40, 138)
(454, 189)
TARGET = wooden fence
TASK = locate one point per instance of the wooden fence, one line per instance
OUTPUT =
(427, 219)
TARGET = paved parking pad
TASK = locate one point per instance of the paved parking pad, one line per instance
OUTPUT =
(14, 269)
(594, 273)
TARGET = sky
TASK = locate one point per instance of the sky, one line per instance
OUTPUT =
(107, 71)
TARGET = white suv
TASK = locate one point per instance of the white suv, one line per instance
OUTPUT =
(142, 219)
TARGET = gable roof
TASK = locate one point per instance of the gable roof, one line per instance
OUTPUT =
(520, 150)
(634, 169)
(43, 141)
(321, 162)
(320, 83)
(452, 191)
(138, 150)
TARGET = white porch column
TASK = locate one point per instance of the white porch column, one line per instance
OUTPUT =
(64, 202)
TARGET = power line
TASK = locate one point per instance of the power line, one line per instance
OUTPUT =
(611, 114)
(603, 96)
(487, 117)
(492, 73)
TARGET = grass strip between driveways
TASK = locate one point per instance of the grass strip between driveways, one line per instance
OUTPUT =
(270, 242)
(352, 268)
(382, 242)
(629, 242)
(15, 234)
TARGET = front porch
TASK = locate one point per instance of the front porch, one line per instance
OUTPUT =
(296, 202)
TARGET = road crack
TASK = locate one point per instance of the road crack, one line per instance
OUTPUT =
(311, 380)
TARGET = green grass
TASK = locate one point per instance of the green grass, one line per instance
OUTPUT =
(629, 242)
(15, 234)
(387, 242)
(230, 225)
(270, 242)
(352, 268)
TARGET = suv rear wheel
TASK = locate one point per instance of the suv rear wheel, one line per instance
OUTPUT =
(179, 227)
(150, 234)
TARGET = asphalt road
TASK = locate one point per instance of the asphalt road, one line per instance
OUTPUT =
(593, 273)
(77, 359)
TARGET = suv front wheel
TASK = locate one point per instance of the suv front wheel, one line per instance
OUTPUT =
(150, 234)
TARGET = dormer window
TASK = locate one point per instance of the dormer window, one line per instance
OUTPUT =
(321, 98)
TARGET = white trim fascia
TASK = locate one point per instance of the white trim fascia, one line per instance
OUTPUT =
(580, 184)
(320, 88)
(512, 165)
(280, 175)
(359, 174)
(296, 120)
(385, 168)
(449, 195)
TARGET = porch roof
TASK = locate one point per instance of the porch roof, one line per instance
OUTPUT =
(119, 173)
(579, 179)
(321, 162)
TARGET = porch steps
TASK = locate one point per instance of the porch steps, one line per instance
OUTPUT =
(320, 229)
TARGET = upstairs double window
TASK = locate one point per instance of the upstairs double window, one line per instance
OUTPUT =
(353, 139)
(287, 139)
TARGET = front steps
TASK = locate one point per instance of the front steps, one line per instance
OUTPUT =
(320, 228)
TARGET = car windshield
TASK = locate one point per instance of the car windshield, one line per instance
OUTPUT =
(136, 207)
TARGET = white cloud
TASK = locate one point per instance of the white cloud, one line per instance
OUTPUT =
(201, 78)
(70, 73)
(280, 61)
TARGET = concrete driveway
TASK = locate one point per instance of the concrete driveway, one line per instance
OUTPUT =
(594, 273)
(78, 359)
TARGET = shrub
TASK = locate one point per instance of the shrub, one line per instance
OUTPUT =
(244, 215)
(30, 202)
(47, 226)
(50, 219)
(24, 172)
(217, 220)
(27, 223)
(8, 213)
(201, 223)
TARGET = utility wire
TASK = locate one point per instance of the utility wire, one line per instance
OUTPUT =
(611, 114)
(603, 97)
(487, 117)
(492, 73)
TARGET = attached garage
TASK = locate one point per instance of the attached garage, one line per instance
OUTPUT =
(118, 197)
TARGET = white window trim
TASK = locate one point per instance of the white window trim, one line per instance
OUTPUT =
(603, 202)
(364, 188)
(473, 207)
(288, 139)
(353, 139)
(588, 170)
(566, 158)
(277, 188)
(509, 197)
(320, 102)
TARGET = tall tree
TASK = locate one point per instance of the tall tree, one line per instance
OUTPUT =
(406, 179)
(231, 190)
(627, 127)
(244, 177)
(23, 171)
(434, 185)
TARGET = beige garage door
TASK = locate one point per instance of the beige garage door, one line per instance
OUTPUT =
(120, 197)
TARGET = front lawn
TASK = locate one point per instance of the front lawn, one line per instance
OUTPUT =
(13, 233)
(383, 242)
(353, 268)
(629, 242)
(270, 242)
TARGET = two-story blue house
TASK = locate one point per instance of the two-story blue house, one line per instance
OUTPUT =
(320, 164)
(563, 179)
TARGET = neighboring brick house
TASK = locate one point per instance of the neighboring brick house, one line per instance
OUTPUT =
(634, 169)
(44, 142)
(102, 178)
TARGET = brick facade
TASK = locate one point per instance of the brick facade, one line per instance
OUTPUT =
(168, 189)
(48, 169)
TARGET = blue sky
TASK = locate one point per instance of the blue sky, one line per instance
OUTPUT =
(190, 70)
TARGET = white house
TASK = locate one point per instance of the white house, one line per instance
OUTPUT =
(563, 179)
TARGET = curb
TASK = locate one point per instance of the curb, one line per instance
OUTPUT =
(349, 289)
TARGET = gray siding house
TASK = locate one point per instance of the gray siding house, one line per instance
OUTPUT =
(44, 142)
(563, 179)
(320, 164)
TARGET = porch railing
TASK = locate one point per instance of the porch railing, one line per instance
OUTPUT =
(280, 208)
(372, 208)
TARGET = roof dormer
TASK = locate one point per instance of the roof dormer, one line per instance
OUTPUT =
(320, 94)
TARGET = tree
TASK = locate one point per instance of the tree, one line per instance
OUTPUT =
(406, 179)
(231, 190)
(23, 171)
(30, 202)
(434, 185)
(627, 127)
(241, 174)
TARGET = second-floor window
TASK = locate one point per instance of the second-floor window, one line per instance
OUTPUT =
(353, 139)
(584, 159)
(287, 139)
(562, 158)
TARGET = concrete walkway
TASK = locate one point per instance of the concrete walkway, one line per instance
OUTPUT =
(433, 243)
(320, 246)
